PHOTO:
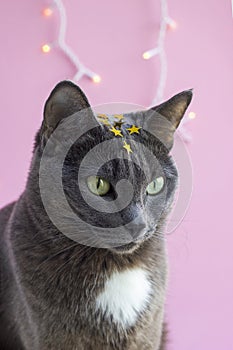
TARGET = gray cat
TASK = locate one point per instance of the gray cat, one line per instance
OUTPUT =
(60, 293)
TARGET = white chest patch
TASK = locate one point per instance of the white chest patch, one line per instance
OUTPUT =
(125, 296)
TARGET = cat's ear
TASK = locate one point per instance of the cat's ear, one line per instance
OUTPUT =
(163, 120)
(65, 100)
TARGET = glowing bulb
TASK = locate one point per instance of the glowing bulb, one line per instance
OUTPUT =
(47, 12)
(96, 78)
(146, 55)
(192, 115)
(46, 48)
(171, 24)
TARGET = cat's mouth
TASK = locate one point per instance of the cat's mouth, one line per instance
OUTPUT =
(132, 246)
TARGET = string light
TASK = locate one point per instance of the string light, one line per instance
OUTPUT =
(47, 12)
(171, 24)
(165, 23)
(96, 78)
(146, 55)
(46, 48)
(150, 53)
(160, 52)
(192, 115)
(81, 69)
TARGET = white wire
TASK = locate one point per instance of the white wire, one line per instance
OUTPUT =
(81, 68)
(160, 51)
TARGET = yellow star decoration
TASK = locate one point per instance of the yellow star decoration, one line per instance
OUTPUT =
(105, 122)
(119, 116)
(116, 132)
(134, 129)
(127, 147)
(102, 116)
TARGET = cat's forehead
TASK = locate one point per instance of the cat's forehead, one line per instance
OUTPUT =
(129, 128)
(121, 120)
(122, 145)
(126, 128)
(120, 136)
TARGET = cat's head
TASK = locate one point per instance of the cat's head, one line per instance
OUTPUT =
(117, 176)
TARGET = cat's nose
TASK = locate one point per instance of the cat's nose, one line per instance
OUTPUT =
(139, 228)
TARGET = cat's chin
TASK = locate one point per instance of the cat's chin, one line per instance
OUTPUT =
(126, 248)
(132, 246)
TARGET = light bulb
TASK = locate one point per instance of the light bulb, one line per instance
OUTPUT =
(150, 53)
(47, 12)
(46, 48)
(192, 115)
(171, 24)
(96, 78)
(146, 55)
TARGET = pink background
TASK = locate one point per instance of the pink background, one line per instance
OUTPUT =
(110, 37)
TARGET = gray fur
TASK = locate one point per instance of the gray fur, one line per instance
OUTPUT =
(49, 283)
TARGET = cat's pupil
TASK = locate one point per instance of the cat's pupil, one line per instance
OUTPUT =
(98, 182)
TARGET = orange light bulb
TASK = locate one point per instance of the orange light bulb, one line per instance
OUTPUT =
(47, 12)
(172, 24)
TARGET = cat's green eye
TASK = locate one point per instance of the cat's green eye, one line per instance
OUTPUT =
(155, 186)
(98, 185)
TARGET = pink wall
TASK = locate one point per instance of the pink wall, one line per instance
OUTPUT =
(110, 37)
